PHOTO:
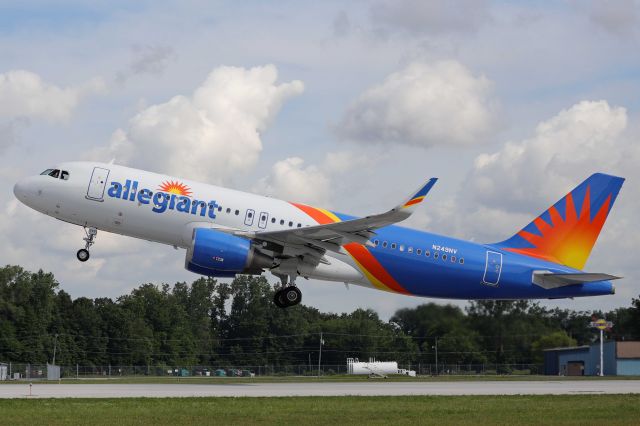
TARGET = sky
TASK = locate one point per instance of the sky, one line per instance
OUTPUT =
(345, 105)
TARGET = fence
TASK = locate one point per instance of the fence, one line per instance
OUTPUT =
(39, 371)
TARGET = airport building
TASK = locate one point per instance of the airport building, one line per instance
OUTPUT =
(620, 359)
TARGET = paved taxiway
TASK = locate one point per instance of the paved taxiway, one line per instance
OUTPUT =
(115, 390)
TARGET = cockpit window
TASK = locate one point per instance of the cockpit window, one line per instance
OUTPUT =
(64, 175)
(55, 173)
(46, 172)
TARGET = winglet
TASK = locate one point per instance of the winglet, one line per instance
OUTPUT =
(412, 202)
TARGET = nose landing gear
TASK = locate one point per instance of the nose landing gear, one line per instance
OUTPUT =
(83, 254)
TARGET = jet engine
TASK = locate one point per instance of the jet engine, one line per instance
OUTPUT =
(217, 254)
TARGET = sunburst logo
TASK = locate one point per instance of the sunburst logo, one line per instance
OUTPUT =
(174, 187)
(567, 240)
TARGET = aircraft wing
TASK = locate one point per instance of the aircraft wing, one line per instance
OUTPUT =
(332, 233)
(549, 280)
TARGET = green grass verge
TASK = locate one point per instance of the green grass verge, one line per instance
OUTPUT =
(458, 410)
(303, 379)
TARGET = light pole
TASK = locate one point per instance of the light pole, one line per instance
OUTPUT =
(436, 348)
(320, 354)
(55, 344)
(601, 325)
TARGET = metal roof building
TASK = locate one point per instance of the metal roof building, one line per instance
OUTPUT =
(620, 359)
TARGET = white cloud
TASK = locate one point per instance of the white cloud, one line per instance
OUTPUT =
(290, 180)
(564, 150)
(211, 134)
(25, 94)
(424, 105)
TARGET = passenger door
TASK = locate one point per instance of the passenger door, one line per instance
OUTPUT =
(97, 184)
(493, 268)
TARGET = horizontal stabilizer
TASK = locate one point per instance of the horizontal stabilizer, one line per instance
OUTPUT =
(549, 280)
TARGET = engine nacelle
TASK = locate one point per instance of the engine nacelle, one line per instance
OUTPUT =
(217, 254)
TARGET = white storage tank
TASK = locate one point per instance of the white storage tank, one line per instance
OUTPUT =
(373, 367)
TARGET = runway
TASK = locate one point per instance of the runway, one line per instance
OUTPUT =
(115, 390)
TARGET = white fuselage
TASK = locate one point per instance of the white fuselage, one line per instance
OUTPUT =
(90, 197)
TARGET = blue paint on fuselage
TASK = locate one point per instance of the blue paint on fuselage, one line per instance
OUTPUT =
(441, 277)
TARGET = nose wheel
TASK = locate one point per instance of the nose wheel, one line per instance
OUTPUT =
(83, 254)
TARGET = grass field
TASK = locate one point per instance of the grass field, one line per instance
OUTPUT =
(307, 379)
(561, 410)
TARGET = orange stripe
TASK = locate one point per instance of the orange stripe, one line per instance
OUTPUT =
(369, 262)
(359, 252)
(414, 201)
(315, 214)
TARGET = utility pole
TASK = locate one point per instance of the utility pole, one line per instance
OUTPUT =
(320, 354)
(55, 344)
(436, 347)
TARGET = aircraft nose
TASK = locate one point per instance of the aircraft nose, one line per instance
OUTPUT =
(22, 189)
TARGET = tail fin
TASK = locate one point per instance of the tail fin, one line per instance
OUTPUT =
(568, 230)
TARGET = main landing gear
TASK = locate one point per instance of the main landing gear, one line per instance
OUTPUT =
(288, 295)
(83, 254)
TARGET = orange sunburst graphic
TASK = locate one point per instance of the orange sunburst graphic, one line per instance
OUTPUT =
(567, 241)
(174, 187)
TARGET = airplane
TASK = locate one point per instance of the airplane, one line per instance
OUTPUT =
(227, 232)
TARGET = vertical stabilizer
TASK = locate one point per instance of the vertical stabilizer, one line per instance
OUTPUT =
(568, 230)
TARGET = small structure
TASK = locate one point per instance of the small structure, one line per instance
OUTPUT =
(53, 372)
(620, 359)
(3, 371)
(375, 368)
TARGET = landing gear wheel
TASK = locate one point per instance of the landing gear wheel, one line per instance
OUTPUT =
(288, 296)
(278, 299)
(82, 255)
(292, 295)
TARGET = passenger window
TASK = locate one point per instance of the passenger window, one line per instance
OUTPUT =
(290, 224)
(462, 261)
(219, 208)
(410, 250)
(453, 259)
(444, 257)
(419, 252)
(64, 175)
(228, 210)
(250, 215)
(299, 225)
(393, 246)
(376, 242)
(237, 212)
(435, 255)
(427, 253)
(281, 221)
(273, 220)
(384, 244)
(55, 173)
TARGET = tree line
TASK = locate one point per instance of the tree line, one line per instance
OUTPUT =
(213, 323)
